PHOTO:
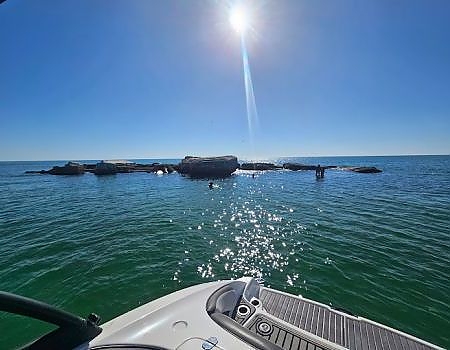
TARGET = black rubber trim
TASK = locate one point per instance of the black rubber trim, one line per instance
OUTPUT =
(32, 308)
(212, 300)
(72, 332)
(243, 333)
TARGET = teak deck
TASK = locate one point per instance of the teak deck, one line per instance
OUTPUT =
(348, 331)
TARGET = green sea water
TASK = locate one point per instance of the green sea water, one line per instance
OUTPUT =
(375, 244)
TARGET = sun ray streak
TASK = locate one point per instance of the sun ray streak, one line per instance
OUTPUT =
(252, 114)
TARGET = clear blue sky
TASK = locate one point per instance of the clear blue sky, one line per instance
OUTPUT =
(92, 79)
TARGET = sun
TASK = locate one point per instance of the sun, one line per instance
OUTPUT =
(239, 19)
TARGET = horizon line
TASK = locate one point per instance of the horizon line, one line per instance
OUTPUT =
(243, 157)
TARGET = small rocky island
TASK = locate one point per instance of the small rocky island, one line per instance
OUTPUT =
(196, 167)
(209, 167)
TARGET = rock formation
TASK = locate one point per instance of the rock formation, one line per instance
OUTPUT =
(259, 166)
(199, 167)
(71, 168)
(105, 168)
(296, 166)
(365, 170)
(208, 167)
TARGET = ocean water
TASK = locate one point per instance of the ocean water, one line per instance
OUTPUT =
(375, 244)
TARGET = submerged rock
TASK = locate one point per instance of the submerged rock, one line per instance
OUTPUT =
(208, 167)
(297, 166)
(259, 166)
(365, 170)
(37, 172)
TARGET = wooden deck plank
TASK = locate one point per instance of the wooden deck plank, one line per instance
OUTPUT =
(309, 320)
(358, 340)
(391, 340)
(280, 338)
(287, 341)
(370, 337)
(412, 344)
(268, 299)
(332, 327)
(315, 319)
(396, 342)
(294, 312)
(305, 316)
(303, 345)
(276, 303)
(274, 334)
(295, 343)
(377, 337)
(404, 343)
(351, 334)
(339, 328)
(299, 315)
(289, 308)
(263, 294)
(325, 324)
(284, 307)
(385, 339)
(281, 304)
(319, 327)
(365, 336)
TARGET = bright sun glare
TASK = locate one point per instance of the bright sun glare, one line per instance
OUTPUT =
(239, 19)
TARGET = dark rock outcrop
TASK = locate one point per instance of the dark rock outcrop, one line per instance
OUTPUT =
(71, 168)
(199, 167)
(105, 168)
(89, 167)
(208, 167)
(297, 166)
(37, 172)
(365, 170)
(259, 166)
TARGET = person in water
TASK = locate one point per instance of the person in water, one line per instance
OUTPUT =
(210, 185)
(318, 171)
